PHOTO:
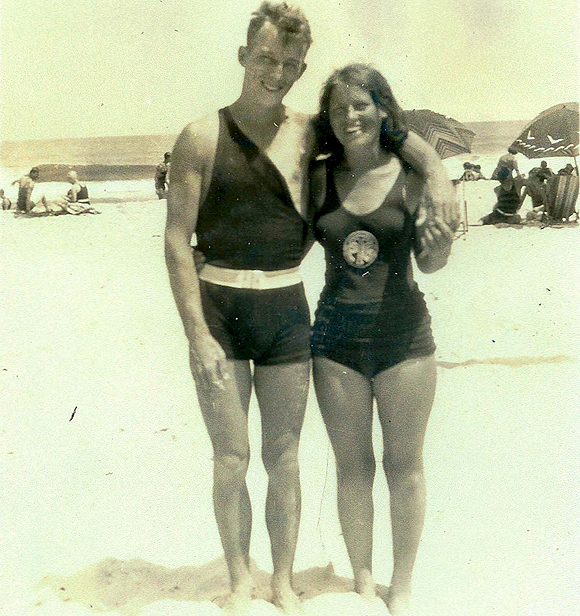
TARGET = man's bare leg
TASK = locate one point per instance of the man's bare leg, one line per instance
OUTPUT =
(225, 412)
(282, 392)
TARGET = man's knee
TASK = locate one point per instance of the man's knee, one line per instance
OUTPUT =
(230, 467)
(356, 467)
(281, 455)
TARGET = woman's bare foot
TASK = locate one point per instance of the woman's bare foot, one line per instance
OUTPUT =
(285, 599)
(399, 601)
(364, 584)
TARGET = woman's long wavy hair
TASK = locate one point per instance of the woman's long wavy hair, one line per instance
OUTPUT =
(393, 128)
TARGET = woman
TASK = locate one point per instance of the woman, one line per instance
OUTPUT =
(371, 338)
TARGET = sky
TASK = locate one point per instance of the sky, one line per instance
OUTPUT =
(76, 68)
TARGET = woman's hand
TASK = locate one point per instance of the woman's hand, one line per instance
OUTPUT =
(434, 241)
(438, 198)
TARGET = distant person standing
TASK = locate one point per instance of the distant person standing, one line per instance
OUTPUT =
(161, 176)
(6, 203)
(26, 185)
(506, 166)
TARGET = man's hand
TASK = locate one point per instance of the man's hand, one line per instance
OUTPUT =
(208, 362)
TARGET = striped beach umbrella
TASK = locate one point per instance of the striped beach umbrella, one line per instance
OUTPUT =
(448, 136)
(554, 132)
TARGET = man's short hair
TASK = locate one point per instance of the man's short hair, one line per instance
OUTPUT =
(512, 150)
(287, 18)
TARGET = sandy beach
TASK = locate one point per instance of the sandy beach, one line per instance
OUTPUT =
(106, 464)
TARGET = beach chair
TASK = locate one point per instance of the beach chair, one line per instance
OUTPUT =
(561, 197)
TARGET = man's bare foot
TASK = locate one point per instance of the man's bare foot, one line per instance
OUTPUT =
(364, 585)
(285, 599)
(399, 601)
(238, 602)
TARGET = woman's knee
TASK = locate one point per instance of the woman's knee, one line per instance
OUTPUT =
(408, 468)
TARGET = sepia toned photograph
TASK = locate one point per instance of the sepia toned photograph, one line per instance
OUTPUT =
(289, 308)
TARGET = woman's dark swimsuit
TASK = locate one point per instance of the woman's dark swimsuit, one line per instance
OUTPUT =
(371, 314)
(248, 222)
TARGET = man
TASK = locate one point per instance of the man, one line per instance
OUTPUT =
(161, 171)
(26, 185)
(543, 172)
(239, 182)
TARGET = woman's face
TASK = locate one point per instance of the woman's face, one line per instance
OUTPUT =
(354, 117)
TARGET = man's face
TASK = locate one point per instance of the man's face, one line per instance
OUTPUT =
(273, 62)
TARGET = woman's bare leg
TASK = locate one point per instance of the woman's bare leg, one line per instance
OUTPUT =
(404, 395)
(345, 400)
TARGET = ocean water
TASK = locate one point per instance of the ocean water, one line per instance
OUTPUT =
(16, 157)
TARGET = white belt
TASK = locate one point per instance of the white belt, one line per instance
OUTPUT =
(249, 279)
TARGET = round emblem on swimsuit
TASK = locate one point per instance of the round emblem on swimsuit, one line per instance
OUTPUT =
(360, 249)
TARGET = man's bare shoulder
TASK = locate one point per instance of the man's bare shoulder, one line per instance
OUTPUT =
(199, 138)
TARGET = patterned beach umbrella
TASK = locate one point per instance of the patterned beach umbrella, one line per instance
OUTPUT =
(448, 136)
(552, 133)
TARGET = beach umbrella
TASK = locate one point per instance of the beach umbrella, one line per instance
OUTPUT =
(448, 136)
(554, 132)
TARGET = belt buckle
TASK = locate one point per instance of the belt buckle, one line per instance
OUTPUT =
(251, 279)
(258, 278)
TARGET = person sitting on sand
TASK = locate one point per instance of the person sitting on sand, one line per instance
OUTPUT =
(567, 170)
(26, 185)
(477, 173)
(509, 200)
(77, 197)
(468, 173)
(535, 189)
(6, 203)
(543, 172)
(507, 161)
(161, 176)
